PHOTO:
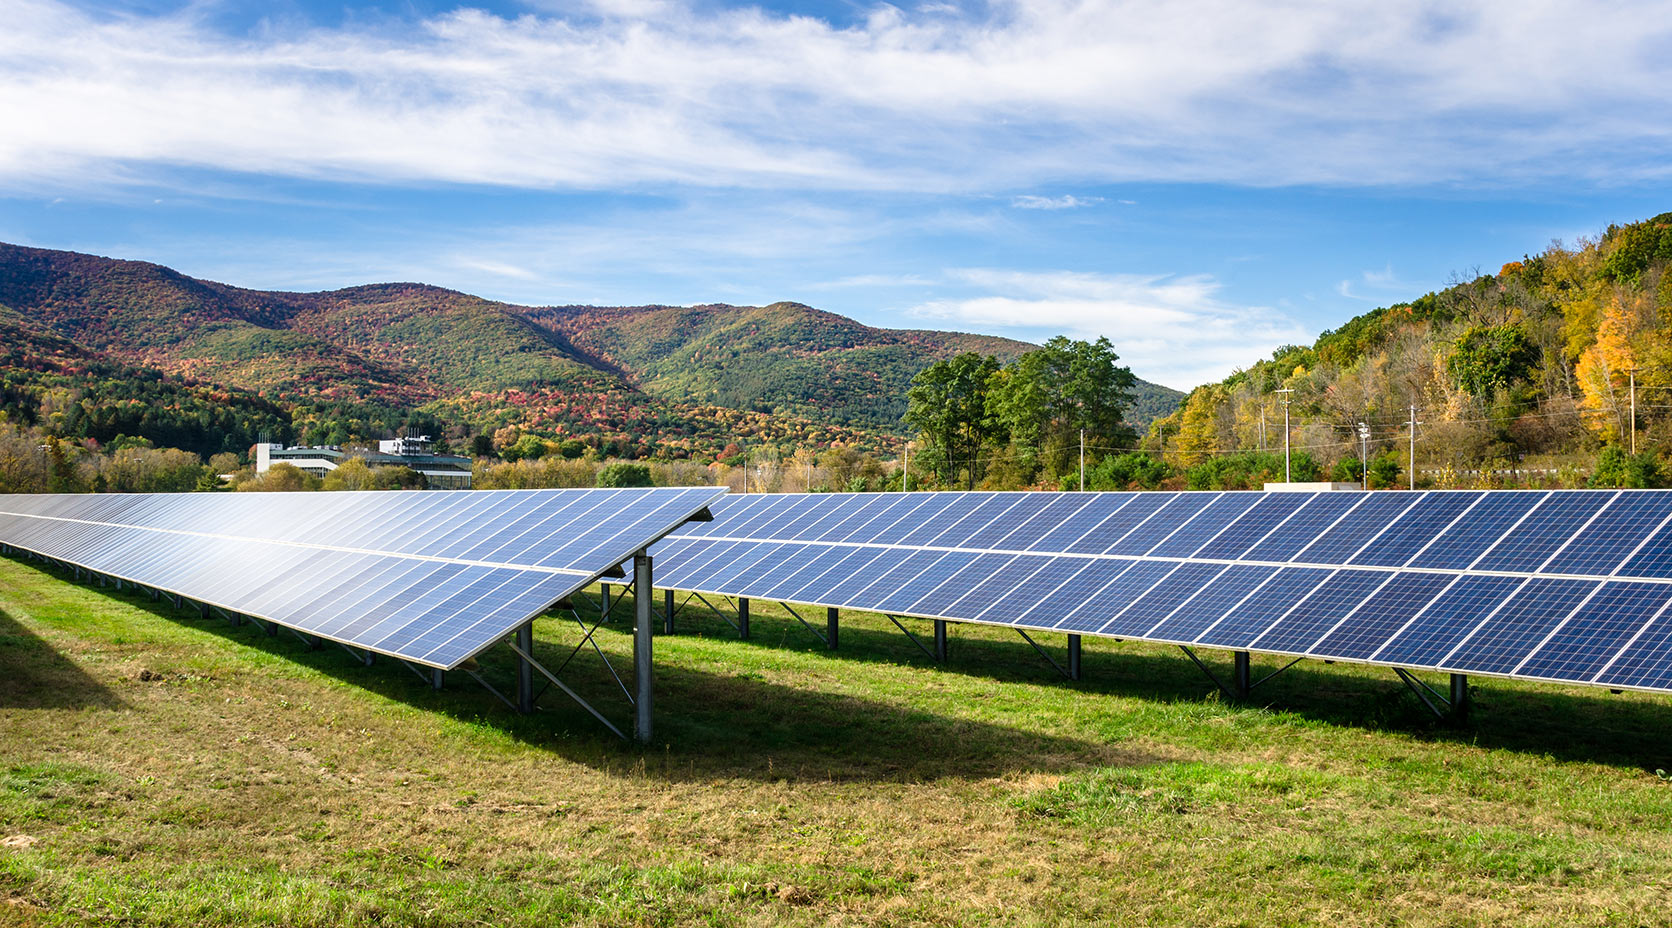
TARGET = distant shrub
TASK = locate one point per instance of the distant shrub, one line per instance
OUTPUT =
(624, 474)
(1616, 468)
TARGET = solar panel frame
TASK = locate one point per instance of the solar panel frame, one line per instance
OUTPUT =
(394, 597)
(1067, 591)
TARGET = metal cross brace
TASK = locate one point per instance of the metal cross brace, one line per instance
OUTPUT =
(1048, 659)
(1417, 687)
(913, 637)
(816, 633)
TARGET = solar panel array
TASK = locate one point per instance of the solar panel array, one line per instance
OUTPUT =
(429, 577)
(1567, 585)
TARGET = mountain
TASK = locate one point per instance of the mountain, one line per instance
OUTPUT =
(692, 378)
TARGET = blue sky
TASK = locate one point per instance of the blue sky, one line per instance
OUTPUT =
(1199, 180)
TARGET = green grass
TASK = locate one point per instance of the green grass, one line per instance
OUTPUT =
(248, 781)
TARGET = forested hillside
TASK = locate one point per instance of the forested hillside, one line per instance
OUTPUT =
(1531, 367)
(363, 362)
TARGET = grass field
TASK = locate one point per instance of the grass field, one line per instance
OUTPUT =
(157, 768)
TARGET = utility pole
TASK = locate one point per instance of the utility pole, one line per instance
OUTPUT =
(1083, 460)
(1634, 411)
(1262, 427)
(1286, 471)
(905, 477)
(1414, 424)
(1364, 451)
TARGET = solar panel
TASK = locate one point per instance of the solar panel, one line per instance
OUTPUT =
(431, 578)
(1569, 585)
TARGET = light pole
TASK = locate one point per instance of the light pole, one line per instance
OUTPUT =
(1286, 471)
(1364, 451)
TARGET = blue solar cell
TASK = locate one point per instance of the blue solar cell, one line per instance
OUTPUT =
(1098, 536)
(1613, 535)
(981, 593)
(690, 570)
(1021, 510)
(801, 518)
(1654, 559)
(1556, 519)
(1406, 538)
(1358, 528)
(1255, 524)
(817, 587)
(925, 531)
(902, 596)
(1645, 662)
(839, 517)
(1447, 621)
(1157, 604)
(1321, 511)
(1597, 631)
(1467, 539)
(1383, 614)
(785, 564)
(1313, 617)
(1038, 588)
(1205, 525)
(1063, 508)
(1099, 507)
(1505, 639)
(892, 522)
(739, 562)
(1146, 535)
(865, 590)
(1212, 603)
(995, 510)
(1057, 604)
(1096, 610)
(954, 587)
(1256, 613)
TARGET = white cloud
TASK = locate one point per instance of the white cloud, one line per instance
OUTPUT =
(1384, 280)
(1066, 201)
(626, 93)
(1171, 329)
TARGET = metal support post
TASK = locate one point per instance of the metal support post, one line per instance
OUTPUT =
(1073, 657)
(525, 668)
(1459, 695)
(940, 640)
(667, 612)
(437, 677)
(1242, 679)
(641, 649)
(742, 619)
(832, 626)
(603, 600)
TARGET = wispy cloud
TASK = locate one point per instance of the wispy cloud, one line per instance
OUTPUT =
(1173, 329)
(619, 94)
(1384, 280)
(1066, 201)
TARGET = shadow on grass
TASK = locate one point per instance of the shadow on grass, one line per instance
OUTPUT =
(1576, 724)
(708, 725)
(33, 675)
(738, 724)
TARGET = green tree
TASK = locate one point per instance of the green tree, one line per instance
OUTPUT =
(947, 404)
(1490, 358)
(282, 478)
(1617, 468)
(625, 474)
(1048, 396)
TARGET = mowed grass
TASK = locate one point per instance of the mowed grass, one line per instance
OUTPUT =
(248, 781)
